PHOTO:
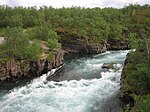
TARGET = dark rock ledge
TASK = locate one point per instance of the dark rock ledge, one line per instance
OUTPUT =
(124, 95)
(73, 43)
(14, 70)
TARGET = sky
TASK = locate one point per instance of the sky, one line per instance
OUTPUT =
(70, 3)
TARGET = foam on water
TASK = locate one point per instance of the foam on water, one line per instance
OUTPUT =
(65, 96)
(85, 95)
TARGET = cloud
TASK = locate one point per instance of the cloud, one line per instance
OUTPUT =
(69, 3)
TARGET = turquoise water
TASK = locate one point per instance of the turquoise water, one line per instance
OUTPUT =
(79, 86)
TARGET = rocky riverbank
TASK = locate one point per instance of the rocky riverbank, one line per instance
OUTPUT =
(135, 90)
(125, 96)
(72, 43)
(14, 70)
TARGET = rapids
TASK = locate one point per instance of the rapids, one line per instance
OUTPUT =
(81, 85)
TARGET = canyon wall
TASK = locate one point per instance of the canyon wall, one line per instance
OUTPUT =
(13, 70)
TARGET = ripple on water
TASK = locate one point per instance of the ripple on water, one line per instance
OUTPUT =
(85, 95)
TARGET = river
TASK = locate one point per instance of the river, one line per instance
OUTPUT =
(80, 85)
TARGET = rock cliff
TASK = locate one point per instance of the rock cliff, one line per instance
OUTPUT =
(73, 43)
(125, 95)
(13, 70)
(114, 44)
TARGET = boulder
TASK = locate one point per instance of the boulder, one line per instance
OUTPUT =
(107, 65)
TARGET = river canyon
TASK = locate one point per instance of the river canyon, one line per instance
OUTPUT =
(80, 85)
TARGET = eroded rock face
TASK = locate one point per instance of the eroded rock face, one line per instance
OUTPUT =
(115, 44)
(13, 70)
(80, 45)
(124, 95)
(73, 43)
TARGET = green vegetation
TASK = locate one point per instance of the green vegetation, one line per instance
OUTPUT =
(137, 80)
(142, 103)
(137, 73)
(30, 34)
(96, 24)
(17, 45)
(53, 43)
(28, 44)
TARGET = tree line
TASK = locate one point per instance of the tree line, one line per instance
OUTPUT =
(95, 23)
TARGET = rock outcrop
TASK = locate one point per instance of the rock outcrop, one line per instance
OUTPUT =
(114, 44)
(107, 65)
(13, 70)
(2, 40)
(124, 95)
(72, 43)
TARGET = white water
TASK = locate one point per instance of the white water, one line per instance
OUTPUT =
(85, 95)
